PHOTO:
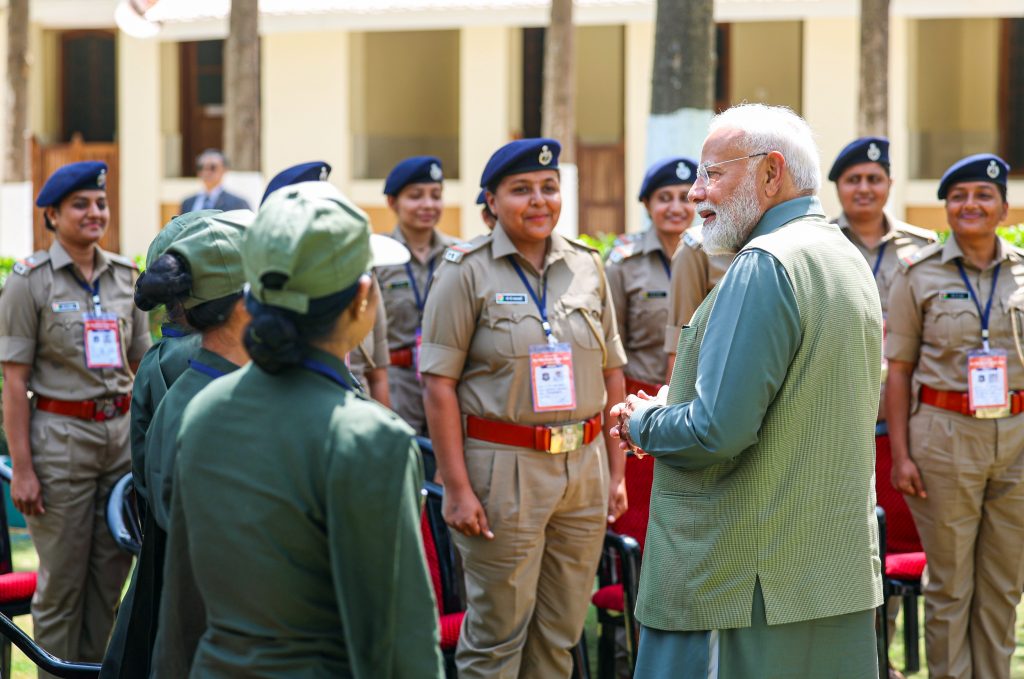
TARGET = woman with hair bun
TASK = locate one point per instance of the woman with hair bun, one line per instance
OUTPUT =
(308, 483)
(200, 275)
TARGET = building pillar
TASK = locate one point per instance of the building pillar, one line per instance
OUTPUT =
(140, 153)
(639, 55)
(485, 88)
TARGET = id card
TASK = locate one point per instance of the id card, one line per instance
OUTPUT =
(102, 341)
(988, 389)
(551, 378)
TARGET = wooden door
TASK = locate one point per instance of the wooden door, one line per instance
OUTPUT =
(202, 100)
(47, 159)
(602, 188)
(88, 86)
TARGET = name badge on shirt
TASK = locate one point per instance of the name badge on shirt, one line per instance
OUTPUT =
(988, 388)
(61, 307)
(551, 377)
(655, 294)
(955, 294)
(102, 341)
(398, 285)
(509, 298)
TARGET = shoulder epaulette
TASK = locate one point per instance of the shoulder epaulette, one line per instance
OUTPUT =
(693, 237)
(621, 252)
(455, 252)
(921, 255)
(24, 267)
(122, 260)
(918, 232)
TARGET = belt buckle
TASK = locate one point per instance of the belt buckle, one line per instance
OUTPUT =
(106, 409)
(565, 437)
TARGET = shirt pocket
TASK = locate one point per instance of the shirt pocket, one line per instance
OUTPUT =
(512, 329)
(582, 313)
(952, 323)
(647, 318)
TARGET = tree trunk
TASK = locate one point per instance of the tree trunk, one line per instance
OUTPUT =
(16, 157)
(684, 56)
(873, 114)
(242, 87)
(559, 105)
(683, 78)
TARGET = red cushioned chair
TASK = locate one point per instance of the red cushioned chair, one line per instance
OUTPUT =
(446, 575)
(903, 558)
(619, 572)
(16, 589)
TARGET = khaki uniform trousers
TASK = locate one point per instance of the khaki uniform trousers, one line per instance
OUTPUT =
(81, 568)
(529, 589)
(972, 530)
(407, 397)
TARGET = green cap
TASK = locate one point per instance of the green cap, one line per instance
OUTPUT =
(172, 230)
(213, 250)
(308, 242)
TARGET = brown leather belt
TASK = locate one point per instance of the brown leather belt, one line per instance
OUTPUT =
(958, 401)
(634, 387)
(558, 438)
(99, 410)
(401, 358)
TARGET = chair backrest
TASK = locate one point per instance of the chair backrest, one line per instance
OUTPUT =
(639, 477)
(123, 518)
(440, 550)
(901, 533)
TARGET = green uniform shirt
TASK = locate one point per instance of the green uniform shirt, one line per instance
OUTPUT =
(301, 508)
(160, 367)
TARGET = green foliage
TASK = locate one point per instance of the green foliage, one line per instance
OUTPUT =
(603, 242)
(6, 266)
(1014, 234)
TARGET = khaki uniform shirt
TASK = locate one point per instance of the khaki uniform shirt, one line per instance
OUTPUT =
(638, 277)
(694, 273)
(372, 352)
(901, 240)
(933, 322)
(471, 336)
(42, 324)
(404, 317)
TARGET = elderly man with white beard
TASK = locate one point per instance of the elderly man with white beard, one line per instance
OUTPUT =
(762, 549)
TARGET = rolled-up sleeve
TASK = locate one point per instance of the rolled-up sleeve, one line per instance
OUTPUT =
(19, 321)
(449, 321)
(751, 337)
(903, 322)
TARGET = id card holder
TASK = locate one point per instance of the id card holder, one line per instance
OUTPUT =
(102, 341)
(988, 389)
(551, 378)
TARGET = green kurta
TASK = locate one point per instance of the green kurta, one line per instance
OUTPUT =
(301, 512)
(158, 370)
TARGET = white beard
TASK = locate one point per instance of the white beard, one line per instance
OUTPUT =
(734, 219)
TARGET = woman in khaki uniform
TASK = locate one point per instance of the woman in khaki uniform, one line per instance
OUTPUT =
(639, 272)
(954, 406)
(521, 355)
(369, 361)
(70, 333)
(414, 190)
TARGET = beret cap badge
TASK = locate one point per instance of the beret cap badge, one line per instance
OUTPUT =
(993, 169)
(545, 156)
(101, 179)
(323, 173)
(874, 153)
(683, 171)
(435, 172)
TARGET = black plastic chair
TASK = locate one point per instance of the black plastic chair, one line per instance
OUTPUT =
(43, 660)
(123, 517)
(620, 565)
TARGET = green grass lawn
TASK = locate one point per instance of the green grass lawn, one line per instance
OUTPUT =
(25, 559)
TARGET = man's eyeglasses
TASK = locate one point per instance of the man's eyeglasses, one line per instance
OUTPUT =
(702, 169)
(207, 166)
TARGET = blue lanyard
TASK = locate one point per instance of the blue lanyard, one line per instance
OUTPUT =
(421, 302)
(878, 261)
(327, 371)
(94, 292)
(541, 301)
(665, 264)
(988, 305)
(171, 332)
(207, 370)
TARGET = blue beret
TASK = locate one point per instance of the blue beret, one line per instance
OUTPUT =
(981, 167)
(89, 174)
(296, 174)
(668, 172)
(415, 170)
(522, 155)
(863, 150)
(481, 198)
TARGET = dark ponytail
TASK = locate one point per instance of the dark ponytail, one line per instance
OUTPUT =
(164, 281)
(277, 339)
(213, 313)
